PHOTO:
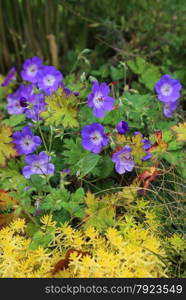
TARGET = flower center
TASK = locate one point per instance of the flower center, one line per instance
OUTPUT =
(98, 100)
(37, 165)
(23, 102)
(166, 89)
(96, 138)
(124, 156)
(49, 80)
(167, 106)
(32, 70)
(27, 142)
(17, 104)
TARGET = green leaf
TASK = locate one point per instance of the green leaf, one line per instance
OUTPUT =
(148, 73)
(99, 212)
(31, 229)
(86, 116)
(137, 66)
(78, 196)
(77, 158)
(38, 182)
(14, 120)
(150, 76)
(174, 145)
(40, 239)
(178, 159)
(117, 73)
(162, 125)
(104, 167)
(167, 136)
(73, 154)
(87, 163)
(55, 199)
(60, 110)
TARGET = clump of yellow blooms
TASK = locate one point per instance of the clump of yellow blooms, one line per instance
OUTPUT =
(16, 259)
(135, 252)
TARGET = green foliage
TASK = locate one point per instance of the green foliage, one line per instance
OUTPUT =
(41, 239)
(104, 168)
(86, 116)
(14, 121)
(110, 37)
(148, 73)
(78, 160)
(55, 199)
(135, 108)
(87, 164)
(24, 199)
(10, 177)
(60, 110)
(170, 149)
(73, 153)
(69, 204)
(100, 213)
(177, 158)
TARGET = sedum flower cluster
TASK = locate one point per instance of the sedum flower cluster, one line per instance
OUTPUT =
(16, 258)
(136, 252)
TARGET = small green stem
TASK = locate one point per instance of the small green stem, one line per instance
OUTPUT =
(51, 137)
(30, 217)
(91, 184)
(42, 138)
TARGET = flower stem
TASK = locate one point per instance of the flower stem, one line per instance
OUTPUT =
(43, 138)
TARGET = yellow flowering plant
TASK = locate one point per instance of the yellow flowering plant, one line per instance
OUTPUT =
(132, 250)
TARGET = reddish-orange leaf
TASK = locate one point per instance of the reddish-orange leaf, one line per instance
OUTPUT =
(7, 203)
(63, 264)
(147, 177)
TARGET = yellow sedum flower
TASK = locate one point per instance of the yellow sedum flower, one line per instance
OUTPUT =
(46, 220)
(135, 252)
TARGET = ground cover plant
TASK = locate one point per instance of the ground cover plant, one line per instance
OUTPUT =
(91, 170)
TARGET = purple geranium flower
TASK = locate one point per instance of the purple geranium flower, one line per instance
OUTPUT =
(122, 127)
(25, 141)
(49, 79)
(169, 108)
(123, 160)
(146, 147)
(9, 78)
(168, 89)
(35, 107)
(37, 164)
(137, 132)
(67, 91)
(66, 171)
(18, 102)
(31, 69)
(13, 104)
(99, 100)
(76, 93)
(93, 137)
(26, 93)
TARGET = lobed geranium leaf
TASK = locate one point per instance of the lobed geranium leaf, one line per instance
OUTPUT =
(148, 73)
(87, 163)
(60, 110)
